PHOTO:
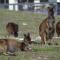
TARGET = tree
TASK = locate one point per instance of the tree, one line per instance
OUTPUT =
(43, 0)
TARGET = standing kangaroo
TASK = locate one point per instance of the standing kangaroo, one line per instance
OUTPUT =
(46, 28)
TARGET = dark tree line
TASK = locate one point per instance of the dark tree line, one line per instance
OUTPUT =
(43, 0)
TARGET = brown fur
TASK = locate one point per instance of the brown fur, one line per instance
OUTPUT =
(6, 44)
(43, 30)
(26, 42)
(58, 28)
(12, 29)
(46, 28)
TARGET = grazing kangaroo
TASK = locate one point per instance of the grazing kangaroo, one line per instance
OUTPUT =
(12, 29)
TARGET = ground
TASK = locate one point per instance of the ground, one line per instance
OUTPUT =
(29, 22)
(37, 53)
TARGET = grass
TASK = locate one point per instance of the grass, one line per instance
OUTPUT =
(33, 20)
(37, 53)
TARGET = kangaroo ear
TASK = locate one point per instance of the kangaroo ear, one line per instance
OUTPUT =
(24, 35)
(28, 34)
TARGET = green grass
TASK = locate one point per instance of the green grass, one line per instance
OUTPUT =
(51, 53)
(33, 20)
